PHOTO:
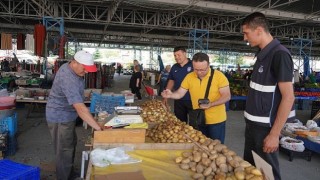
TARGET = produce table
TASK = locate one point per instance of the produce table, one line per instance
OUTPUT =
(156, 164)
(157, 161)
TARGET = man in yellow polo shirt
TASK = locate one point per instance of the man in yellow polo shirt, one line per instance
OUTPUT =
(196, 83)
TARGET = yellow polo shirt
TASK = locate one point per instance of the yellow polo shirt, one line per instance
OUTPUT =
(197, 89)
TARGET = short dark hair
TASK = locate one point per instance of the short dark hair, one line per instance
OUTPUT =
(179, 48)
(256, 19)
(200, 57)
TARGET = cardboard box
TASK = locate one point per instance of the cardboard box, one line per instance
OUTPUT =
(120, 136)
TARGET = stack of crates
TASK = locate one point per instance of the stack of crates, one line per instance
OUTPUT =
(15, 171)
(9, 125)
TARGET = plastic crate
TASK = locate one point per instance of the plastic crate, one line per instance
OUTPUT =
(9, 124)
(105, 102)
(15, 171)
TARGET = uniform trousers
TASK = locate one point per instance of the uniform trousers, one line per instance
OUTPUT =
(254, 136)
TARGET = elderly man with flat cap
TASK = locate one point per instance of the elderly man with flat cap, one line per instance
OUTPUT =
(65, 104)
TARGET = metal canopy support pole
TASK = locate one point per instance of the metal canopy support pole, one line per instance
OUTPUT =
(301, 52)
(198, 41)
(52, 24)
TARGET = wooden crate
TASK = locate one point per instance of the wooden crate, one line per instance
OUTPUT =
(120, 136)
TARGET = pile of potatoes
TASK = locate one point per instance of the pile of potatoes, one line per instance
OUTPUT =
(175, 131)
(213, 160)
(154, 111)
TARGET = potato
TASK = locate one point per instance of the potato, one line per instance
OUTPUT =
(230, 168)
(223, 168)
(256, 172)
(248, 176)
(229, 158)
(256, 178)
(207, 142)
(210, 177)
(225, 150)
(210, 147)
(230, 153)
(213, 166)
(192, 164)
(197, 176)
(221, 160)
(239, 168)
(240, 175)
(245, 164)
(216, 141)
(220, 176)
(202, 140)
(248, 169)
(237, 158)
(186, 154)
(196, 157)
(213, 156)
(207, 171)
(179, 159)
(219, 147)
(199, 168)
(193, 168)
(234, 163)
(205, 161)
(204, 155)
(184, 166)
(185, 161)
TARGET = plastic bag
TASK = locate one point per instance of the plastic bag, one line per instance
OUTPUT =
(102, 158)
(311, 124)
(292, 144)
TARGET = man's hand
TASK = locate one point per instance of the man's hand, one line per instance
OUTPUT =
(166, 93)
(271, 143)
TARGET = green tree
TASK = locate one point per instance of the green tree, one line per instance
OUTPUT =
(239, 60)
(222, 59)
(96, 54)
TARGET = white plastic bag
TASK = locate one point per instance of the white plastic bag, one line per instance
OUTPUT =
(311, 124)
(292, 144)
(102, 158)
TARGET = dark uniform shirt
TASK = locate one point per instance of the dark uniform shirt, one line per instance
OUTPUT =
(178, 73)
(273, 65)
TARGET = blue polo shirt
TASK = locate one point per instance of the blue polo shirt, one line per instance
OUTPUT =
(178, 73)
(67, 89)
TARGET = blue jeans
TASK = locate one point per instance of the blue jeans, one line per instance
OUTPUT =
(215, 131)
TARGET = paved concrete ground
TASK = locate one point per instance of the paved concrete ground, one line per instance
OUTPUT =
(35, 147)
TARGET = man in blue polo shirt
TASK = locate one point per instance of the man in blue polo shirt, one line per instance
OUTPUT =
(178, 72)
(65, 104)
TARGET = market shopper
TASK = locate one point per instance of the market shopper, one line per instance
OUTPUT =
(270, 100)
(135, 82)
(219, 93)
(177, 73)
(163, 78)
(135, 63)
(65, 104)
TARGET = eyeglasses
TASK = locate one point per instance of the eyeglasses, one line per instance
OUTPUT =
(201, 70)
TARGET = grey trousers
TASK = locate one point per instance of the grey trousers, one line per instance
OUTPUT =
(64, 142)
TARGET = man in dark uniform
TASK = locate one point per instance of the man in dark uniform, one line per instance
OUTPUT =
(270, 100)
(178, 72)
